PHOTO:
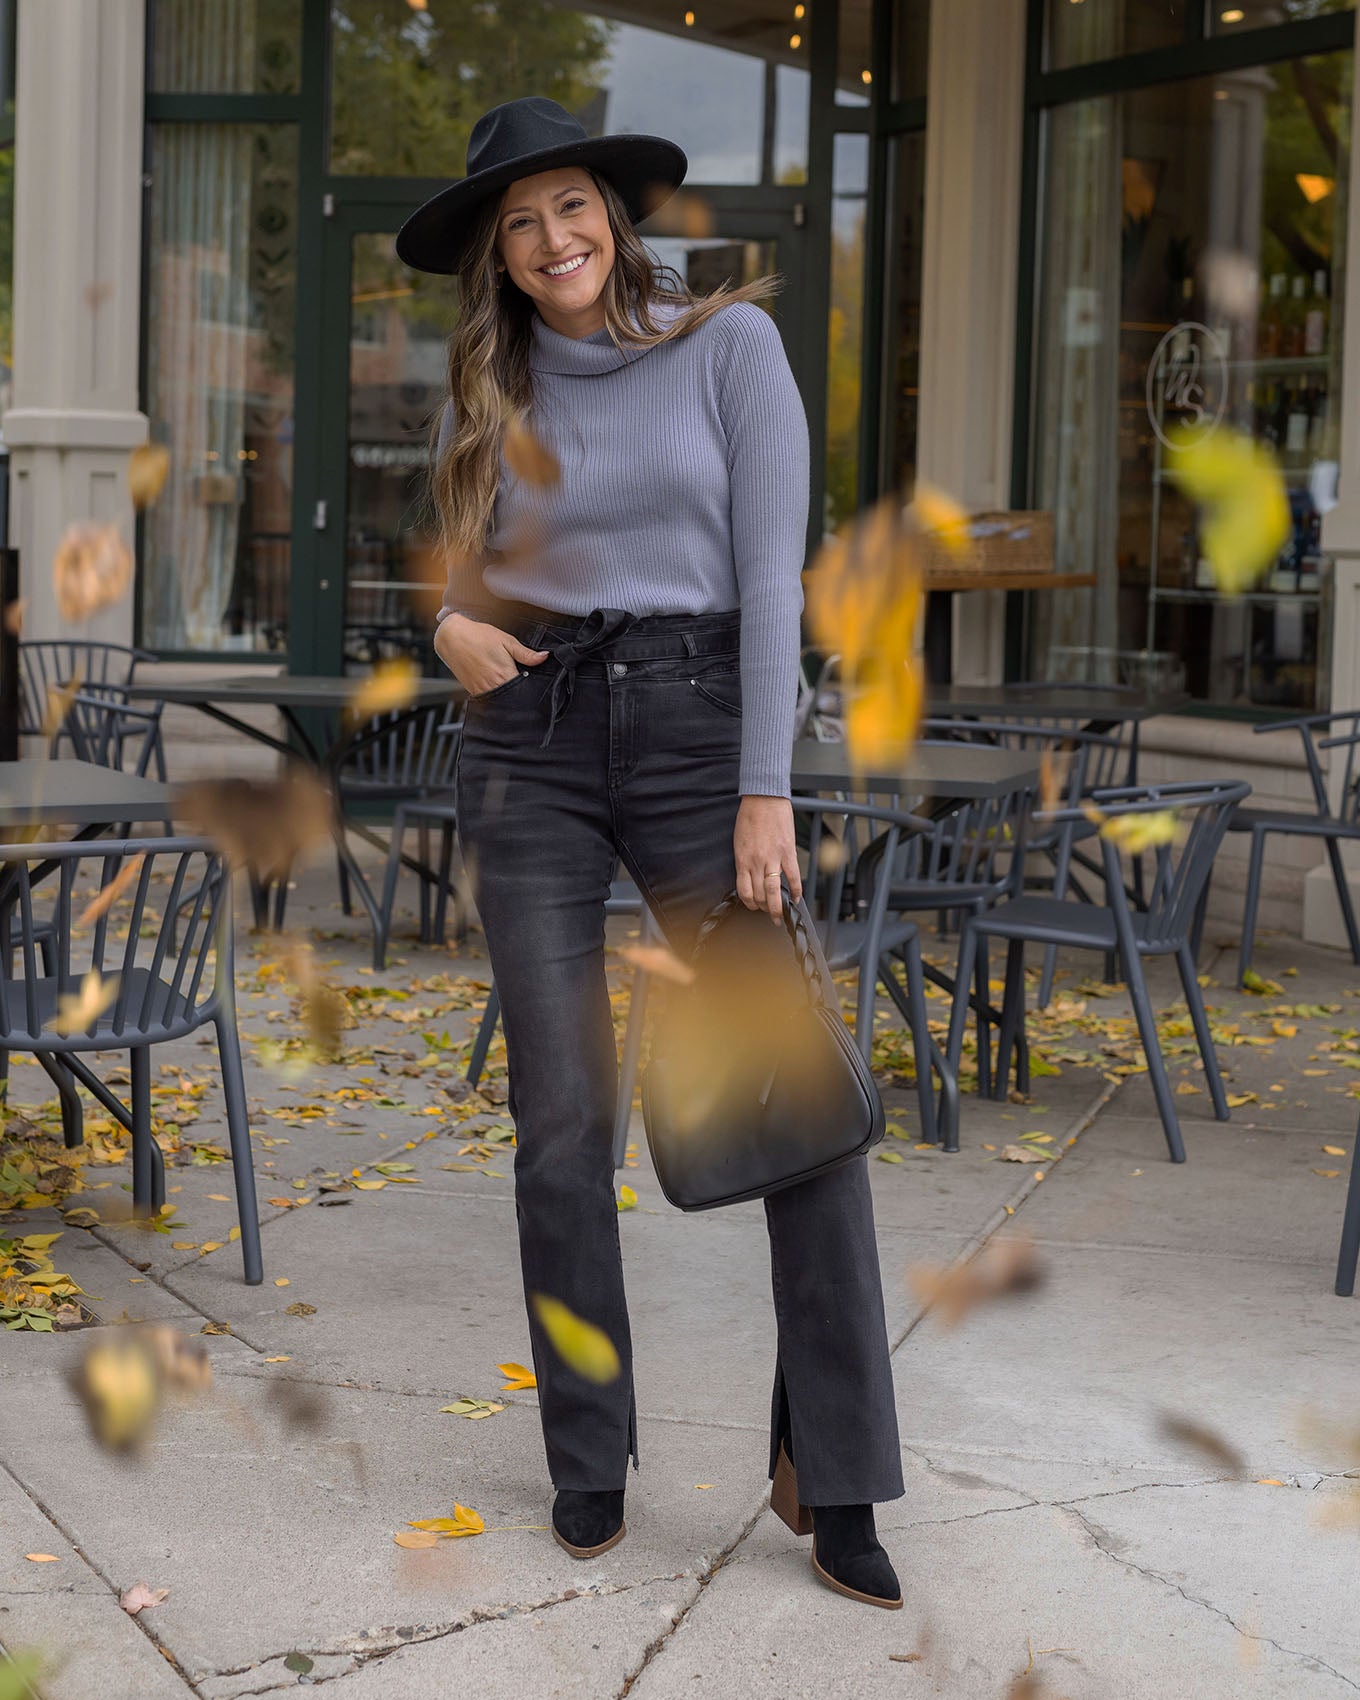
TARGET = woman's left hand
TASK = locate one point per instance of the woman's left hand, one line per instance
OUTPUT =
(765, 848)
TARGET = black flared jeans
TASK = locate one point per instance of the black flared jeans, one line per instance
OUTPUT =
(624, 745)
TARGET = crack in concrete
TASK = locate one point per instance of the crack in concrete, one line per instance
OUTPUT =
(94, 1569)
(365, 1648)
(702, 1581)
(1094, 1533)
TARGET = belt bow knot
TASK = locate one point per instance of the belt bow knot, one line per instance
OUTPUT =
(596, 629)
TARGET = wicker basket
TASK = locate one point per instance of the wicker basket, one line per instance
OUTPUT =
(998, 545)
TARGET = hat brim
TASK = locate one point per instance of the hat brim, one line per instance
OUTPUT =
(644, 170)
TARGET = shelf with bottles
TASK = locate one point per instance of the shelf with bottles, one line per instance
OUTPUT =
(1295, 321)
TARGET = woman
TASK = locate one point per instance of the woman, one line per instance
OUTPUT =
(628, 632)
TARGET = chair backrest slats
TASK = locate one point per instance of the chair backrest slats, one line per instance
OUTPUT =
(160, 976)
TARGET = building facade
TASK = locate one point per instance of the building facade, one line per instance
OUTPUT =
(1018, 237)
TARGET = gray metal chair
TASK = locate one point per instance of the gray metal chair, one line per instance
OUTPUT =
(105, 670)
(106, 729)
(161, 989)
(398, 760)
(1331, 826)
(1092, 761)
(850, 900)
(1349, 1255)
(1180, 873)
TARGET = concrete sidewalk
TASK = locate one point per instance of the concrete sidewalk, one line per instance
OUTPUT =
(1054, 1521)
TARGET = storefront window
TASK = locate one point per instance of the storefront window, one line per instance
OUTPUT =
(1193, 254)
(845, 332)
(1080, 31)
(226, 47)
(1260, 14)
(220, 329)
(732, 92)
(911, 43)
(902, 349)
(854, 24)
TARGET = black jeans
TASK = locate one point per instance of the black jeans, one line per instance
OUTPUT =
(642, 718)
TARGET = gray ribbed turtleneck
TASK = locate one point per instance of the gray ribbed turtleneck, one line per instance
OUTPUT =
(684, 490)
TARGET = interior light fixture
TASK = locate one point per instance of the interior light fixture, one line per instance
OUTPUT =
(1314, 188)
(1233, 15)
(689, 20)
(419, 5)
(799, 11)
(866, 76)
(795, 41)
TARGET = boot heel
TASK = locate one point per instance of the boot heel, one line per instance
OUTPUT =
(784, 1500)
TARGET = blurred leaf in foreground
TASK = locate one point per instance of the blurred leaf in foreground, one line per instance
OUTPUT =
(1238, 483)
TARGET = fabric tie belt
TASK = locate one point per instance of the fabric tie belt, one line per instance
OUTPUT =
(597, 629)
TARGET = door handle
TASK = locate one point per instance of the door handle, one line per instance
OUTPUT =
(319, 516)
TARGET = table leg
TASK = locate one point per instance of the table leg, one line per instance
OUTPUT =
(938, 638)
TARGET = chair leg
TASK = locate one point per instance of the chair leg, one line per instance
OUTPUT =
(482, 1044)
(148, 1166)
(969, 938)
(72, 1115)
(941, 1127)
(1012, 1018)
(1253, 898)
(1349, 1255)
(441, 904)
(1343, 897)
(389, 886)
(632, 1051)
(912, 1005)
(1195, 1000)
(982, 991)
(238, 1133)
(1062, 865)
(345, 899)
(423, 884)
(1152, 1049)
(1197, 925)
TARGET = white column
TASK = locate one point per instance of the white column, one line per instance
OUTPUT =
(974, 134)
(77, 285)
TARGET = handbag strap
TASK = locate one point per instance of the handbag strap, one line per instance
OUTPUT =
(796, 925)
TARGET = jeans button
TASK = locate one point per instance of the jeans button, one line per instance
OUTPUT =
(620, 668)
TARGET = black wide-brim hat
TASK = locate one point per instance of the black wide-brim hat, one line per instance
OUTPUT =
(517, 140)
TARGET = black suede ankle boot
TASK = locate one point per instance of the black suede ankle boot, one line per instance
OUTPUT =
(587, 1524)
(846, 1554)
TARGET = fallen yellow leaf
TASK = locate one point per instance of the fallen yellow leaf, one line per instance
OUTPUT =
(517, 1377)
(1335, 1150)
(627, 1199)
(416, 1538)
(1327, 1174)
(580, 1344)
(42, 1558)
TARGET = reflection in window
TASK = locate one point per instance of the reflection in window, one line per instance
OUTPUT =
(398, 377)
(911, 46)
(1197, 225)
(845, 332)
(219, 388)
(733, 94)
(1103, 29)
(1224, 18)
(855, 27)
(226, 46)
(901, 397)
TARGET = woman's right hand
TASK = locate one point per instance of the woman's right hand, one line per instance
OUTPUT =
(481, 656)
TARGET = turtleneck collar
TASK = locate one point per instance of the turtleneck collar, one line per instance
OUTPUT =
(587, 356)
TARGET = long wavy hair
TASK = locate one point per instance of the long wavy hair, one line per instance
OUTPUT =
(489, 378)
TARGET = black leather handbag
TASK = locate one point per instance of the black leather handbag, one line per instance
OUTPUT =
(754, 1082)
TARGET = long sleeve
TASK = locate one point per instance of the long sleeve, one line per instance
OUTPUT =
(462, 593)
(768, 458)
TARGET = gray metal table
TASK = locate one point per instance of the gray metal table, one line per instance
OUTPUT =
(963, 771)
(295, 695)
(78, 794)
(1100, 706)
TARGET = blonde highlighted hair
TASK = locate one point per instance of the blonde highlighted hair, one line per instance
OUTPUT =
(489, 377)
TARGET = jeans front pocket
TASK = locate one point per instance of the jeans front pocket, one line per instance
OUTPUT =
(721, 686)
